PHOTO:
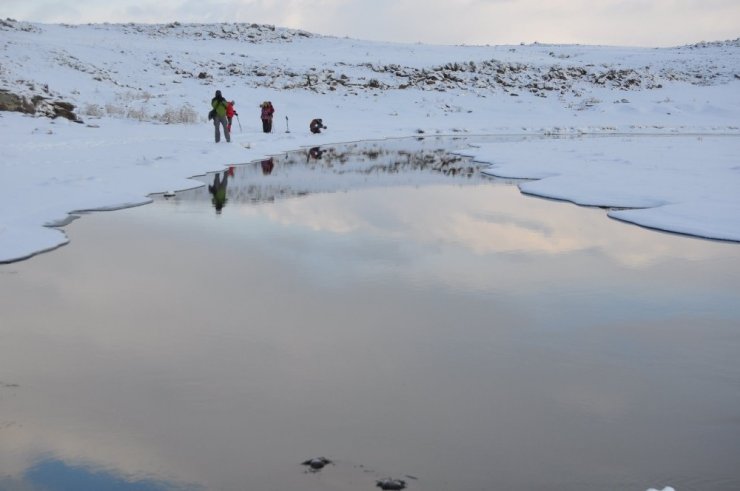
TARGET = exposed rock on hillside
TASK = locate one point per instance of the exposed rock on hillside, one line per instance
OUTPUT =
(37, 105)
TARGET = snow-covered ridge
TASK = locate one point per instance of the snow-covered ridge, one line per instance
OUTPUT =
(243, 32)
(263, 56)
(14, 25)
(713, 44)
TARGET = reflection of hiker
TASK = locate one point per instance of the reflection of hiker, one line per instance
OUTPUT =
(267, 166)
(316, 125)
(218, 190)
(315, 153)
(266, 115)
(219, 118)
(230, 113)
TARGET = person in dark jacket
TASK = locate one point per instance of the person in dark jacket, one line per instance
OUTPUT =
(218, 103)
(266, 116)
(316, 125)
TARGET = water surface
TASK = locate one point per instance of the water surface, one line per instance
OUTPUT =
(374, 307)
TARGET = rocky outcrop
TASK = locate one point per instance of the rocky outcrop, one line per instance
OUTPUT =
(37, 105)
(12, 102)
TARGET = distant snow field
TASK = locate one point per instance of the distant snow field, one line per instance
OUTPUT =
(653, 135)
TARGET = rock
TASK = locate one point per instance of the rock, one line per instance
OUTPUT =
(64, 109)
(391, 484)
(16, 103)
(37, 105)
(316, 464)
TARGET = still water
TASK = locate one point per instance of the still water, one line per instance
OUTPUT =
(384, 306)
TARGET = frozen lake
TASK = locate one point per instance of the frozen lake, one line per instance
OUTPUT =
(382, 305)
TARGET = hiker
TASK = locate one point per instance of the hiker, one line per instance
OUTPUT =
(218, 103)
(266, 115)
(230, 113)
(316, 125)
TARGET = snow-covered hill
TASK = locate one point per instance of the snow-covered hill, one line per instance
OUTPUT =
(155, 67)
(126, 80)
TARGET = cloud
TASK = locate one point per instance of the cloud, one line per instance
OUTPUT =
(618, 22)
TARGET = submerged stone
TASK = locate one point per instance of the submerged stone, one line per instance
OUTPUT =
(316, 464)
(391, 484)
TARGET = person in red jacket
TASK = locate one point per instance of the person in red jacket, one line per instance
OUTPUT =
(267, 112)
(230, 113)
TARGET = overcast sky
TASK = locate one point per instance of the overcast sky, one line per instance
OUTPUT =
(614, 22)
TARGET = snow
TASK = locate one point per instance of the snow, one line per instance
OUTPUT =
(686, 184)
(651, 134)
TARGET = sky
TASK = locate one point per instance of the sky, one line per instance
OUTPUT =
(601, 22)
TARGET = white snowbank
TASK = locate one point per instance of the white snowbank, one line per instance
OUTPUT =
(680, 180)
(687, 184)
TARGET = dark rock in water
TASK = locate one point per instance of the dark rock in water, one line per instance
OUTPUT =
(316, 464)
(391, 484)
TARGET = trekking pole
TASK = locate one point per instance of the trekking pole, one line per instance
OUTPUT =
(287, 127)
(240, 123)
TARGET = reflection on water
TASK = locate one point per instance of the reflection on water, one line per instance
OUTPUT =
(218, 189)
(339, 168)
(414, 324)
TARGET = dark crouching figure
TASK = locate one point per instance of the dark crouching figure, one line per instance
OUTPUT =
(316, 125)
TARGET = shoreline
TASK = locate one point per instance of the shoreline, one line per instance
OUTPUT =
(253, 154)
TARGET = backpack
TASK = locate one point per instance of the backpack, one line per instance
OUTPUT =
(211, 114)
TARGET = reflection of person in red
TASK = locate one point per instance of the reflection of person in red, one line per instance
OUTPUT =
(267, 166)
(231, 171)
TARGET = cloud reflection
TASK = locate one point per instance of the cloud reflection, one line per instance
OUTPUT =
(483, 219)
(57, 475)
(443, 200)
(167, 341)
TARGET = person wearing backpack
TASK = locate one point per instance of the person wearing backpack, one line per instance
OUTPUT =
(218, 103)
(230, 113)
(266, 116)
